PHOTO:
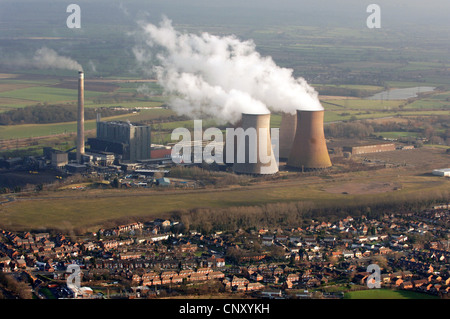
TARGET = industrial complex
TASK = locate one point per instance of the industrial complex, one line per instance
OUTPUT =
(122, 145)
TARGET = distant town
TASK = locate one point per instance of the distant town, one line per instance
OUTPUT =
(156, 259)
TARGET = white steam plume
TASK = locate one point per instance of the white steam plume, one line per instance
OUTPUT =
(220, 77)
(43, 58)
(46, 58)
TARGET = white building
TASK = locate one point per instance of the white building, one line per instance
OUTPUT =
(442, 172)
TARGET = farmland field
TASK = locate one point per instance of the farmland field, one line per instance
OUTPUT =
(386, 294)
(63, 209)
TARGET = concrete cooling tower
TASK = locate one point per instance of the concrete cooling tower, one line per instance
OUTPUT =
(227, 160)
(287, 133)
(254, 147)
(309, 150)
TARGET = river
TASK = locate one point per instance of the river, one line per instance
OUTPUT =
(400, 94)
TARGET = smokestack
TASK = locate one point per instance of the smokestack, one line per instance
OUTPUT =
(287, 133)
(254, 147)
(309, 149)
(80, 122)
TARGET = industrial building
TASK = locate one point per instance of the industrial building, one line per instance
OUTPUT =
(130, 141)
(442, 172)
(365, 149)
(99, 158)
(59, 159)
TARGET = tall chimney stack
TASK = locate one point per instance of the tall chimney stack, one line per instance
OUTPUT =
(309, 149)
(80, 122)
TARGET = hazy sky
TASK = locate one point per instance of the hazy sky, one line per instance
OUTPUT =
(394, 13)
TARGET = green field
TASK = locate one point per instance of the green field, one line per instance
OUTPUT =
(397, 134)
(92, 208)
(386, 294)
(36, 130)
(46, 94)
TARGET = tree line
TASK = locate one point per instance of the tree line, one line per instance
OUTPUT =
(12, 288)
(300, 214)
(43, 114)
(436, 129)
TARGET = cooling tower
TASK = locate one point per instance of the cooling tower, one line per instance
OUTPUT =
(80, 122)
(309, 149)
(287, 133)
(231, 160)
(254, 147)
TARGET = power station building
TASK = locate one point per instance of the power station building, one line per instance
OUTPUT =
(130, 141)
(365, 149)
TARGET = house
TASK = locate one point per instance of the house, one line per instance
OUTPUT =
(288, 284)
(256, 276)
(255, 286)
(177, 279)
(277, 271)
(21, 263)
(162, 222)
(214, 262)
(204, 270)
(398, 282)
(271, 279)
(406, 285)
(336, 254)
(281, 238)
(130, 255)
(237, 281)
(168, 274)
(216, 275)
(293, 277)
(198, 277)
(313, 282)
(185, 273)
(188, 247)
(5, 260)
(348, 254)
(150, 279)
(384, 251)
(136, 278)
(385, 278)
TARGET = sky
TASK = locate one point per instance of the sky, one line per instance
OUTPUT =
(394, 13)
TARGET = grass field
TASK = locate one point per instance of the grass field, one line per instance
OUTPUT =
(36, 130)
(46, 94)
(92, 208)
(386, 294)
(397, 134)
